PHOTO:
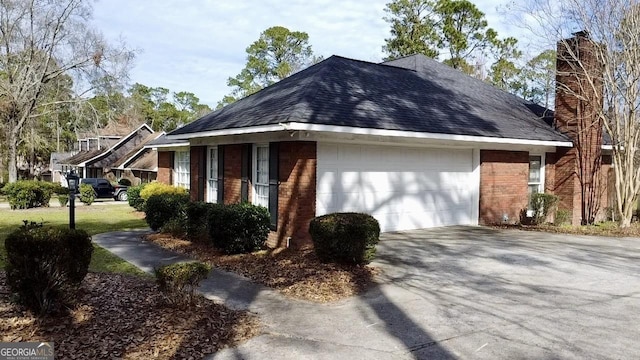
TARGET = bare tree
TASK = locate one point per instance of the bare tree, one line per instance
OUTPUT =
(609, 87)
(42, 41)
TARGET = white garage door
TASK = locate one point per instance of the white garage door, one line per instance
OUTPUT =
(403, 188)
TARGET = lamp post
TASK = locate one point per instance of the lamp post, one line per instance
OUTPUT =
(72, 182)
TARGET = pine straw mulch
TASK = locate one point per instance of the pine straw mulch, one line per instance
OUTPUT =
(123, 316)
(609, 229)
(295, 273)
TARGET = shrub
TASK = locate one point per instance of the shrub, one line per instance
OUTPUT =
(156, 188)
(26, 194)
(162, 208)
(87, 194)
(345, 237)
(179, 282)
(197, 213)
(133, 196)
(124, 182)
(562, 217)
(238, 228)
(174, 227)
(45, 265)
(542, 205)
(63, 199)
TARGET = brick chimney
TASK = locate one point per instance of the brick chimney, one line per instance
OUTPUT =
(577, 105)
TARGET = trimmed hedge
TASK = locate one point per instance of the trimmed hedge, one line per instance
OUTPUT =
(238, 228)
(542, 204)
(26, 194)
(197, 226)
(45, 265)
(87, 194)
(345, 237)
(157, 188)
(161, 209)
(133, 197)
(179, 282)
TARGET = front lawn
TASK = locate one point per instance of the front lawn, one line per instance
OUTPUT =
(94, 219)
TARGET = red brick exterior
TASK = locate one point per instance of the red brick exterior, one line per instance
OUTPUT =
(296, 194)
(232, 173)
(164, 166)
(578, 169)
(504, 178)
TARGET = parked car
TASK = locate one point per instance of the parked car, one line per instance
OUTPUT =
(120, 193)
(101, 187)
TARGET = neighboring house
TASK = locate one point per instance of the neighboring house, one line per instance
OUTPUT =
(412, 141)
(125, 156)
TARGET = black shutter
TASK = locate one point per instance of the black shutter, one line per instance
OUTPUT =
(172, 165)
(244, 172)
(202, 171)
(220, 199)
(274, 161)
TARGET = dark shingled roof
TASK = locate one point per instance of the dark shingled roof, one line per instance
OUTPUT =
(163, 140)
(81, 157)
(409, 94)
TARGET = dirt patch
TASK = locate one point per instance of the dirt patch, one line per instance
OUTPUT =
(122, 316)
(295, 273)
(608, 229)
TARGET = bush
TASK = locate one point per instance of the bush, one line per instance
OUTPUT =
(197, 229)
(156, 188)
(63, 199)
(542, 205)
(562, 217)
(238, 228)
(26, 194)
(133, 196)
(45, 265)
(345, 237)
(124, 182)
(87, 194)
(179, 282)
(162, 208)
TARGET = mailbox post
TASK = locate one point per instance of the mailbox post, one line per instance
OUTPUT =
(72, 181)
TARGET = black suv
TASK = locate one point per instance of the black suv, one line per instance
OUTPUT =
(102, 187)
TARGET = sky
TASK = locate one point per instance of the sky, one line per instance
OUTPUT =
(195, 45)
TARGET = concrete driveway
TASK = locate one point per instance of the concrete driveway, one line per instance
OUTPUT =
(483, 293)
(470, 292)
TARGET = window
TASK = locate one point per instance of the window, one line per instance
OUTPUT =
(261, 172)
(212, 174)
(536, 177)
(181, 169)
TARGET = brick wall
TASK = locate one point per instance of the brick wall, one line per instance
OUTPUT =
(296, 194)
(164, 166)
(504, 178)
(232, 173)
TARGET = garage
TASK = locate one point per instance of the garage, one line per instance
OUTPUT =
(404, 188)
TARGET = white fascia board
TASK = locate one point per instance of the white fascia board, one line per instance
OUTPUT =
(607, 147)
(174, 145)
(295, 126)
(422, 135)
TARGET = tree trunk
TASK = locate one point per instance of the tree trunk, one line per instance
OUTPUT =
(13, 158)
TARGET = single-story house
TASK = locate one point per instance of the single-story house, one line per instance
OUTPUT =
(123, 156)
(411, 141)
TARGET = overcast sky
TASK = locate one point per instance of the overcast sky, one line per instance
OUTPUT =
(195, 45)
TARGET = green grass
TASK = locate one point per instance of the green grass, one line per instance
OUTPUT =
(93, 219)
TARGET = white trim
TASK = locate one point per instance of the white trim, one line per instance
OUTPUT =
(254, 165)
(208, 178)
(295, 126)
(175, 177)
(607, 147)
(475, 202)
(125, 138)
(173, 145)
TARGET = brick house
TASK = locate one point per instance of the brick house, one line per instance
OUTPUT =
(411, 141)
